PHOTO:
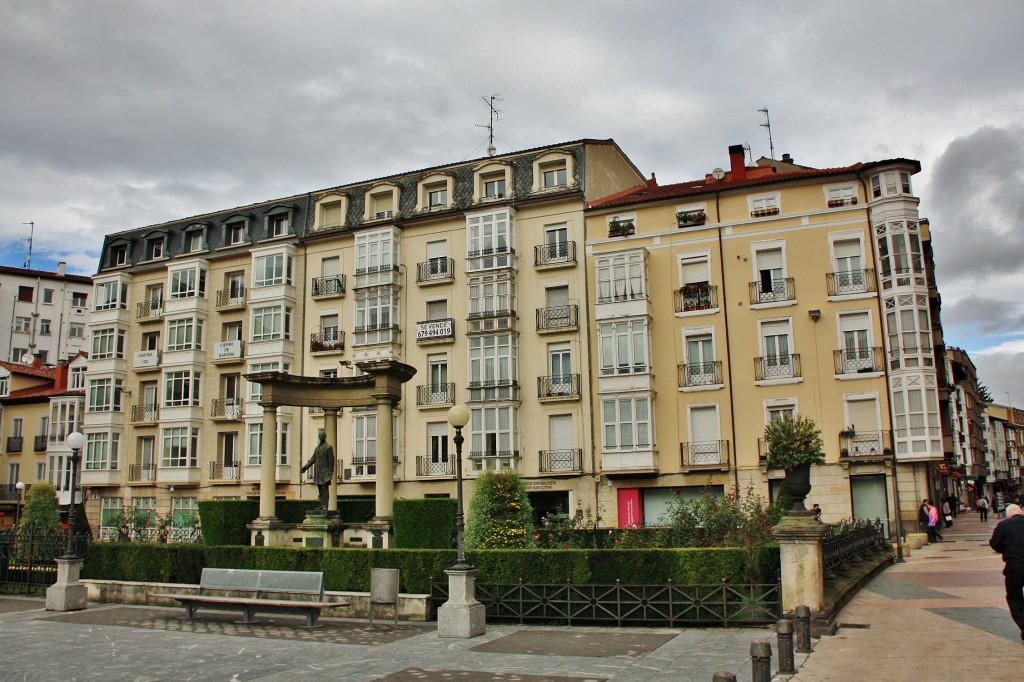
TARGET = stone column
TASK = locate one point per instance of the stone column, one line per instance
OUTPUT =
(331, 430)
(803, 575)
(385, 479)
(268, 462)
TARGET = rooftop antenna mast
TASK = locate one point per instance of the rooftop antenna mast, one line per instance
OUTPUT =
(768, 124)
(31, 233)
(495, 116)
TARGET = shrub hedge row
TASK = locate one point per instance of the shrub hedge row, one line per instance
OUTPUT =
(349, 569)
(424, 523)
(224, 521)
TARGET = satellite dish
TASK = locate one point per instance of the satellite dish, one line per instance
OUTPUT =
(718, 174)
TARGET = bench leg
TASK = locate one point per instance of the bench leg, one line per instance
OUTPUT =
(311, 617)
(190, 611)
(247, 616)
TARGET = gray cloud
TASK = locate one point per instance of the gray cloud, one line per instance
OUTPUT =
(986, 315)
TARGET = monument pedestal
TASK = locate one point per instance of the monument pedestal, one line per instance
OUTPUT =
(67, 594)
(321, 528)
(462, 615)
(803, 574)
(270, 531)
(381, 535)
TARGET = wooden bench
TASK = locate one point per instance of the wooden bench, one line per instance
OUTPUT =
(244, 590)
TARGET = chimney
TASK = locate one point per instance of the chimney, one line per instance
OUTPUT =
(736, 168)
(37, 361)
(786, 158)
(60, 268)
(60, 376)
(653, 182)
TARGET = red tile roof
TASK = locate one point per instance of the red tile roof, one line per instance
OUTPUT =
(29, 370)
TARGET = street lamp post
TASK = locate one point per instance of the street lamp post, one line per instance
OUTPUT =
(462, 615)
(75, 441)
(20, 487)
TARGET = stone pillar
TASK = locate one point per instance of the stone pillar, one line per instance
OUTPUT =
(331, 430)
(385, 480)
(462, 615)
(803, 575)
(67, 594)
(268, 462)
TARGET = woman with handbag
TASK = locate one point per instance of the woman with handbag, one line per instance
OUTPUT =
(947, 513)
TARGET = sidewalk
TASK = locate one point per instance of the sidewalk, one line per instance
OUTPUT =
(941, 615)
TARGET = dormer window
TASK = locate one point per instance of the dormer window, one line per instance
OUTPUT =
(279, 221)
(381, 202)
(236, 232)
(330, 213)
(494, 186)
(117, 255)
(553, 171)
(155, 247)
(194, 240)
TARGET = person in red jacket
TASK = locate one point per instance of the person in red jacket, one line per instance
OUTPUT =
(1008, 540)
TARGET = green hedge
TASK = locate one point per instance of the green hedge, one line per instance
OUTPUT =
(224, 521)
(425, 523)
(349, 569)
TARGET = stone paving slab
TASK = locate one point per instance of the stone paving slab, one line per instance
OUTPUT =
(9, 604)
(421, 675)
(630, 643)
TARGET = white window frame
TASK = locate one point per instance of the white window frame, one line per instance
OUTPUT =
(272, 269)
(187, 282)
(179, 447)
(271, 323)
(376, 315)
(429, 188)
(493, 366)
(101, 451)
(377, 251)
(184, 333)
(770, 203)
(624, 347)
(112, 293)
(183, 388)
(490, 240)
(493, 294)
(635, 432)
(621, 277)
(838, 195)
(330, 207)
(378, 198)
(497, 426)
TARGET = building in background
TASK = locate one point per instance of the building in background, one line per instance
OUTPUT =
(721, 304)
(964, 472)
(42, 313)
(473, 273)
(1004, 437)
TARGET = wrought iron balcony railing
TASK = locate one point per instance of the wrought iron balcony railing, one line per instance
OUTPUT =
(233, 296)
(331, 285)
(855, 443)
(15, 443)
(700, 374)
(225, 472)
(228, 408)
(692, 297)
(149, 309)
(560, 461)
(141, 472)
(435, 394)
(711, 453)
(772, 291)
(426, 466)
(435, 269)
(777, 367)
(561, 317)
(558, 386)
(328, 339)
(859, 360)
(850, 282)
(145, 413)
(40, 444)
(557, 253)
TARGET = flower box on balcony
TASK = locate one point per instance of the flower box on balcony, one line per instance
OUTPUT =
(621, 228)
(763, 212)
(691, 218)
(835, 203)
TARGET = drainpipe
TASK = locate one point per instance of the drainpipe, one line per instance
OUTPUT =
(728, 347)
(590, 375)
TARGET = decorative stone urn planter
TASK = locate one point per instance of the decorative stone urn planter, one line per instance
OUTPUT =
(797, 485)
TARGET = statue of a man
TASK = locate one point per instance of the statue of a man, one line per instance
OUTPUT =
(322, 462)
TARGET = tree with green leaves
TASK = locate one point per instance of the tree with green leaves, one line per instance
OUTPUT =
(793, 440)
(42, 511)
(500, 515)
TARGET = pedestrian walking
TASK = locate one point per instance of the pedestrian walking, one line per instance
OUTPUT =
(1008, 540)
(982, 505)
(933, 523)
(922, 516)
(947, 513)
(954, 504)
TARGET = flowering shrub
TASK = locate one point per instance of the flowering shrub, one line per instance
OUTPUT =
(734, 520)
(500, 515)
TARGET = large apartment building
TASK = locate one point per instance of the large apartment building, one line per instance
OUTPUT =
(472, 273)
(757, 292)
(42, 314)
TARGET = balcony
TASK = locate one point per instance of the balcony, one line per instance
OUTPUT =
(146, 360)
(427, 467)
(865, 444)
(435, 271)
(837, 203)
(179, 474)
(772, 291)
(691, 218)
(565, 386)
(435, 331)
(141, 473)
(772, 367)
(230, 409)
(859, 360)
(225, 472)
(330, 286)
(435, 395)
(492, 321)
(695, 374)
(561, 461)
(711, 454)
(145, 413)
(40, 444)
(500, 389)
(228, 352)
(149, 311)
(495, 461)
(10, 493)
(15, 443)
(696, 297)
(327, 340)
(377, 276)
(377, 334)
(764, 212)
(554, 255)
(558, 319)
(851, 282)
(231, 298)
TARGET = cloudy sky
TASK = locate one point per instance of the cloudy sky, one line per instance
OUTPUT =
(120, 114)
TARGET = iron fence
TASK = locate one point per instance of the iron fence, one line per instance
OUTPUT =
(850, 540)
(28, 555)
(655, 605)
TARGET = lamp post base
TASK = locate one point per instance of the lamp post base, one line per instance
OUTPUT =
(462, 615)
(67, 594)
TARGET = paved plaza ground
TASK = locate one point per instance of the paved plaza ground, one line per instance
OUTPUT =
(939, 615)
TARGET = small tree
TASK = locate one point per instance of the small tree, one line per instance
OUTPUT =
(792, 441)
(42, 511)
(500, 515)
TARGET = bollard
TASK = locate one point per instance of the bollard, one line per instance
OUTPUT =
(761, 660)
(784, 630)
(724, 677)
(803, 629)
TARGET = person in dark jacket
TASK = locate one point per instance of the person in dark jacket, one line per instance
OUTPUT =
(922, 516)
(1008, 539)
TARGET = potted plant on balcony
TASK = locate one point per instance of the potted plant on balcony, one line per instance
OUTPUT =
(620, 227)
(794, 444)
(689, 218)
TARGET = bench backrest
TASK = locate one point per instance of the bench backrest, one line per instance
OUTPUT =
(297, 582)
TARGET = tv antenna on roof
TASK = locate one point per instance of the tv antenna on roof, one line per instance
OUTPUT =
(495, 116)
(31, 232)
(768, 124)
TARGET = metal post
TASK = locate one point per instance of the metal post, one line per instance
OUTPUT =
(20, 487)
(761, 660)
(784, 630)
(803, 629)
(75, 458)
(460, 519)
